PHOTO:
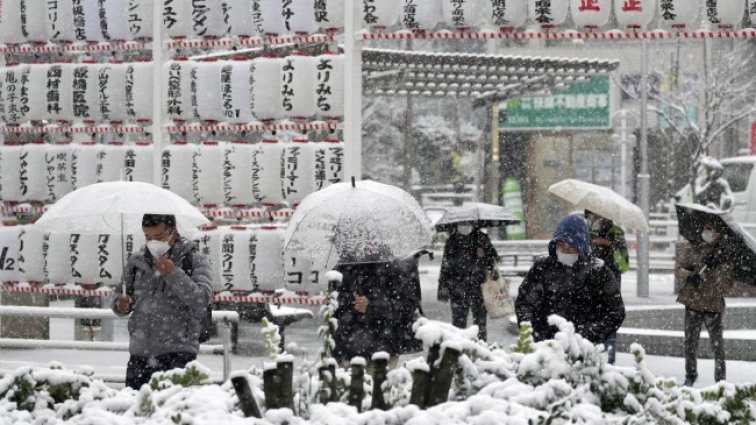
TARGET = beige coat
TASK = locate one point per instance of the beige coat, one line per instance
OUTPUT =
(709, 295)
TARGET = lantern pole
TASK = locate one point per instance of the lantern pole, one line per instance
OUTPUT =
(644, 187)
(159, 53)
(352, 93)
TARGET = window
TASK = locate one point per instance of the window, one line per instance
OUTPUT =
(737, 174)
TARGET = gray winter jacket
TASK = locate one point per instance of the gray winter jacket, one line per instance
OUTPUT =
(165, 310)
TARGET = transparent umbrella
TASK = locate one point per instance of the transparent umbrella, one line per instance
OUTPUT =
(357, 222)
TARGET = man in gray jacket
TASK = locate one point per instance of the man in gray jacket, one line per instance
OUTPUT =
(165, 301)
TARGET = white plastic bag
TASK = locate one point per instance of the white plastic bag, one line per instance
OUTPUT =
(496, 296)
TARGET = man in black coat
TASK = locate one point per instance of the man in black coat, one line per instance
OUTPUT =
(571, 283)
(468, 255)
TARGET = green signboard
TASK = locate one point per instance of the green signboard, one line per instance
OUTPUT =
(580, 106)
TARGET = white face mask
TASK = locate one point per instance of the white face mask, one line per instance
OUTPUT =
(707, 236)
(158, 248)
(464, 229)
(567, 259)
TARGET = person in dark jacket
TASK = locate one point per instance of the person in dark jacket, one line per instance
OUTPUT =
(165, 303)
(468, 255)
(573, 284)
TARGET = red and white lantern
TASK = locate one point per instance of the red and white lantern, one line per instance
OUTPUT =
(10, 173)
(137, 163)
(265, 97)
(56, 249)
(60, 20)
(116, 22)
(87, 21)
(237, 173)
(381, 14)
(38, 92)
(590, 15)
(634, 14)
(178, 103)
(235, 91)
(679, 14)
(177, 18)
(268, 264)
(85, 164)
(12, 17)
(31, 263)
(329, 15)
(240, 22)
(140, 18)
(298, 170)
(110, 259)
(329, 85)
(328, 163)
(9, 246)
(85, 268)
(139, 82)
(464, 14)
(421, 14)
(208, 18)
(112, 161)
(548, 14)
(210, 173)
(37, 28)
(507, 15)
(299, 16)
(208, 91)
(58, 170)
(178, 169)
(208, 240)
(267, 185)
(298, 77)
(268, 17)
(724, 14)
(32, 172)
(113, 92)
(238, 252)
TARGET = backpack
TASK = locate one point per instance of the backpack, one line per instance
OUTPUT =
(207, 329)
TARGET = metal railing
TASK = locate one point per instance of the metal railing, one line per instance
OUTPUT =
(223, 318)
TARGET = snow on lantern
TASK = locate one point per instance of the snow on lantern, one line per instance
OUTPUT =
(464, 14)
(12, 22)
(111, 160)
(139, 82)
(177, 18)
(112, 86)
(210, 173)
(237, 173)
(724, 14)
(265, 96)
(329, 15)
(116, 23)
(208, 90)
(110, 261)
(10, 173)
(137, 163)
(421, 14)
(86, 18)
(179, 93)
(381, 14)
(85, 164)
(38, 92)
(328, 163)
(140, 18)
(678, 14)
(208, 18)
(85, 268)
(268, 17)
(268, 263)
(240, 22)
(590, 14)
(329, 85)
(507, 15)
(299, 73)
(235, 92)
(298, 170)
(60, 20)
(9, 252)
(548, 14)
(299, 16)
(56, 251)
(31, 263)
(58, 170)
(267, 185)
(178, 172)
(238, 251)
(208, 240)
(32, 172)
(37, 28)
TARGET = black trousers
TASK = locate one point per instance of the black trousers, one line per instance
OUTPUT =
(140, 369)
(713, 321)
(461, 305)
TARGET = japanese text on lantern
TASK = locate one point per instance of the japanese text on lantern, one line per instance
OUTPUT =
(54, 75)
(287, 91)
(321, 13)
(368, 10)
(80, 105)
(668, 10)
(589, 5)
(102, 255)
(169, 13)
(199, 17)
(543, 11)
(410, 12)
(135, 20)
(499, 12)
(324, 90)
(227, 261)
(632, 6)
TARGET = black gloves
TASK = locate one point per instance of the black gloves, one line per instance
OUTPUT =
(694, 279)
(713, 259)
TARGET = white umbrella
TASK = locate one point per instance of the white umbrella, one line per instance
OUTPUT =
(357, 222)
(603, 201)
(117, 208)
(477, 213)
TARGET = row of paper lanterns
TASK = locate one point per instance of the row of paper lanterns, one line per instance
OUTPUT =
(243, 258)
(210, 174)
(243, 91)
(108, 20)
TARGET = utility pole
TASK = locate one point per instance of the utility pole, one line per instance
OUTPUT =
(644, 184)
(409, 157)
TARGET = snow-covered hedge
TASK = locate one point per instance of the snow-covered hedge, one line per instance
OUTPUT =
(564, 380)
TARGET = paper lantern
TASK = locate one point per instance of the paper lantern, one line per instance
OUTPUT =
(138, 83)
(238, 251)
(112, 84)
(268, 17)
(635, 14)
(381, 14)
(267, 185)
(115, 25)
(237, 173)
(86, 92)
(37, 28)
(9, 249)
(58, 170)
(60, 20)
(266, 98)
(299, 16)
(112, 161)
(208, 18)
(16, 92)
(2, 94)
(12, 18)
(31, 263)
(302, 276)
(464, 14)
(132, 244)
(298, 170)
(507, 15)
(179, 170)
(678, 14)
(299, 73)
(177, 18)
(240, 22)
(235, 92)
(421, 14)
(38, 92)
(10, 173)
(208, 240)
(110, 258)
(178, 95)
(268, 264)
(59, 93)
(548, 14)
(329, 15)
(210, 173)
(86, 18)
(32, 172)
(328, 163)
(329, 85)
(140, 18)
(56, 251)
(137, 163)
(85, 269)
(208, 90)
(85, 164)
(724, 14)
(590, 14)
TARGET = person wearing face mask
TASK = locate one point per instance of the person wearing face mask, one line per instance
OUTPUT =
(708, 276)
(165, 301)
(468, 255)
(571, 283)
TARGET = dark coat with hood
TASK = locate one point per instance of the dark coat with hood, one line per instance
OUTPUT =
(586, 294)
(462, 270)
(166, 310)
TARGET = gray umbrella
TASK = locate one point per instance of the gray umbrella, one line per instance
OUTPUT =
(478, 214)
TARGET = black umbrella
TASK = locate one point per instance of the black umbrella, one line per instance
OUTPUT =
(478, 214)
(738, 244)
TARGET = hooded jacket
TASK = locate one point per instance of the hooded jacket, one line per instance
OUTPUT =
(586, 294)
(166, 310)
(716, 279)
